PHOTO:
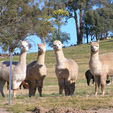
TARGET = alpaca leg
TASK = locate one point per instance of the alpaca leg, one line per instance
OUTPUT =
(33, 91)
(88, 81)
(40, 85)
(40, 90)
(32, 88)
(61, 85)
(103, 82)
(2, 83)
(102, 89)
(96, 88)
(14, 93)
(97, 83)
(67, 87)
(72, 88)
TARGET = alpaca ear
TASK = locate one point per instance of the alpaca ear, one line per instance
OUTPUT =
(37, 44)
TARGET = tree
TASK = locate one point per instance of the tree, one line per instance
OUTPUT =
(43, 27)
(98, 22)
(15, 22)
(78, 5)
(58, 19)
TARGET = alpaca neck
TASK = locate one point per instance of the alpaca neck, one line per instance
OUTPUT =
(60, 57)
(95, 56)
(22, 58)
(41, 58)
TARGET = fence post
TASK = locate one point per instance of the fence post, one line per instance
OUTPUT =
(10, 77)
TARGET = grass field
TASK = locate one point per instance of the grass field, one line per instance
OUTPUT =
(83, 97)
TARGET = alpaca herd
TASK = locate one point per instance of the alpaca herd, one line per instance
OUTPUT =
(100, 68)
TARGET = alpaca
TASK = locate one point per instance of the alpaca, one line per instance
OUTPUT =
(100, 66)
(24, 84)
(18, 70)
(36, 71)
(66, 70)
(89, 76)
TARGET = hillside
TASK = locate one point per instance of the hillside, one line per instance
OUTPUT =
(83, 97)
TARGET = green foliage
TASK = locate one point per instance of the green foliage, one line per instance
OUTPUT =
(15, 22)
(98, 22)
(43, 27)
(57, 21)
(62, 36)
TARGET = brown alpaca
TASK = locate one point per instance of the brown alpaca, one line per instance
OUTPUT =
(100, 66)
(36, 71)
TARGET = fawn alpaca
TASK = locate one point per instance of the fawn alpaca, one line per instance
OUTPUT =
(66, 70)
(36, 71)
(18, 69)
(100, 66)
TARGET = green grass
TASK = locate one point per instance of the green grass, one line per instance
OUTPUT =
(83, 97)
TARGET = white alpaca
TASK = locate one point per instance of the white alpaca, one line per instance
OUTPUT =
(100, 66)
(18, 70)
(36, 71)
(66, 70)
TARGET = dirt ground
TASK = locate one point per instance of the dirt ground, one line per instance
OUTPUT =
(63, 110)
(2, 110)
(70, 110)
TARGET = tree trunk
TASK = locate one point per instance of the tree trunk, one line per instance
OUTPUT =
(81, 29)
(87, 35)
(76, 24)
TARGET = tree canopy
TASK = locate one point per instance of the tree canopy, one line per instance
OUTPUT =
(16, 22)
(58, 19)
(21, 18)
(99, 22)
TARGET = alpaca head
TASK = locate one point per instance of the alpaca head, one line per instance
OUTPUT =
(24, 46)
(94, 47)
(57, 45)
(42, 48)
